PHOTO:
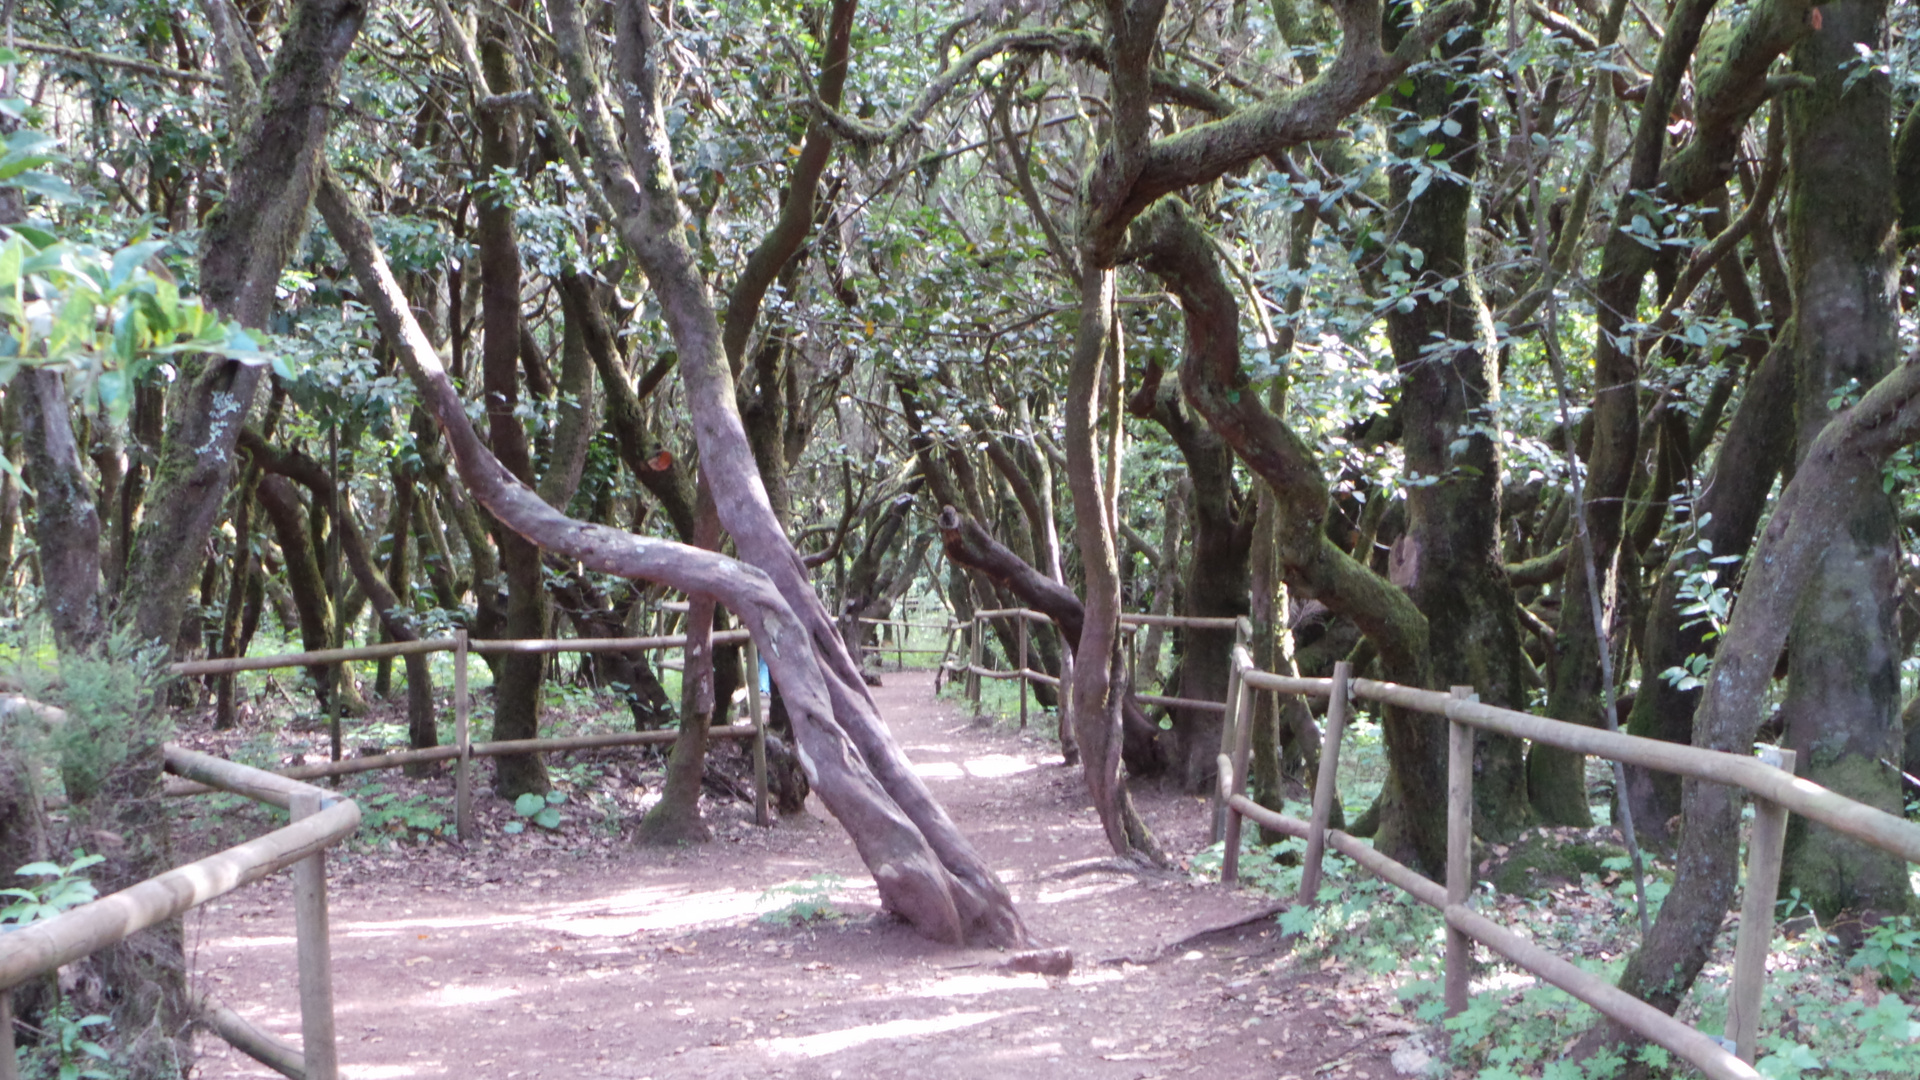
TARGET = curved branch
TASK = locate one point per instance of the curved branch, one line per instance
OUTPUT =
(967, 544)
(796, 212)
(1729, 92)
(1168, 244)
(1066, 44)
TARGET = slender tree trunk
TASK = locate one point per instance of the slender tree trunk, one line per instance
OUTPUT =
(247, 243)
(517, 696)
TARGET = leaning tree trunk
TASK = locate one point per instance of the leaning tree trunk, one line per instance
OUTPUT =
(248, 240)
(1218, 574)
(943, 887)
(1413, 811)
(1843, 670)
(924, 869)
(972, 547)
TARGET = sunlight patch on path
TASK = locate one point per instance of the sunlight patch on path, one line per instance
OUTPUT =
(652, 907)
(830, 1042)
(984, 767)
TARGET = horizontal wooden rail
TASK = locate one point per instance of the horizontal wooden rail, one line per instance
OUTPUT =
(314, 658)
(319, 657)
(637, 644)
(211, 773)
(79, 932)
(398, 758)
(1188, 622)
(1702, 1050)
(243, 1036)
(1182, 703)
(1803, 797)
(1011, 613)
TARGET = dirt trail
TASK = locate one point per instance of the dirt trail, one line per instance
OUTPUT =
(524, 959)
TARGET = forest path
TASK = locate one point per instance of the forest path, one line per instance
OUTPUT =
(537, 956)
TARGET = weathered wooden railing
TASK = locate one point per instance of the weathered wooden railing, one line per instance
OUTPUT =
(320, 820)
(974, 671)
(1768, 777)
(464, 750)
(900, 649)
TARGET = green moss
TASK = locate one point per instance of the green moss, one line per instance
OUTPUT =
(1834, 873)
(1543, 858)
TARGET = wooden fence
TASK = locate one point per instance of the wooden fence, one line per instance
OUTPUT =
(900, 649)
(974, 671)
(1769, 778)
(320, 820)
(464, 750)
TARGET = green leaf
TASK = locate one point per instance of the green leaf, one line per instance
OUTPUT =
(548, 818)
(129, 258)
(46, 184)
(514, 827)
(529, 804)
(12, 256)
(39, 238)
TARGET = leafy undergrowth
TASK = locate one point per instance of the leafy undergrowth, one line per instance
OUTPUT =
(1824, 1015)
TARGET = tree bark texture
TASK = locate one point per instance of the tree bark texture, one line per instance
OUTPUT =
(516, 692)
(1449, 434)
(276, 165)
(1809, 518)
(1171, 246)
(1842, 706)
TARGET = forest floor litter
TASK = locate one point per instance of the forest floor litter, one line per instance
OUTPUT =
(578, 954)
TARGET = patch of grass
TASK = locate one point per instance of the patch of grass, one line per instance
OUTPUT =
(807, 902)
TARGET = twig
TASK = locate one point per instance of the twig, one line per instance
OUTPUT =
(1612, 711)
(109, 60)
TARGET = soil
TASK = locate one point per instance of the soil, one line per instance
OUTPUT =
(579, 954)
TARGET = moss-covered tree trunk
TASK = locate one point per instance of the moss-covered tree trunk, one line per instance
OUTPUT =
(517, 697)
(1842, 707)
(1451, 553)
(1217, 573)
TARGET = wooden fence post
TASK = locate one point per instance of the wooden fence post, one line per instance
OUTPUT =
(975, 654)
(9, 1070)
(1459, 853)
(317, 1046)
(1239, 705)
(1764, 849)
(1021, 633)
(463, 740)
(1326, 784)
(759, 717)
(1227, 720)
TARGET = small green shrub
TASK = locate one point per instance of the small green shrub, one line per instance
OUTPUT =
(541, 810)
(387, 813)
(65, 887)
(1892, 951)
(808, 901)
(64, 1053)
